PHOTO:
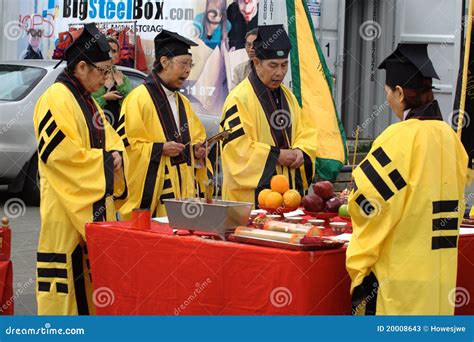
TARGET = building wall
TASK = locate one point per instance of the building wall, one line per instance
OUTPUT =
(373, 29)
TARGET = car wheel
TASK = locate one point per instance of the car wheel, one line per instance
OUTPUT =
(31, 188)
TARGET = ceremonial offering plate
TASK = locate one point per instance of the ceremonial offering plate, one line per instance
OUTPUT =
(219, 217)
(322, 242)
(312, 243)
(279, 211)
(321, 215)
(272, 243)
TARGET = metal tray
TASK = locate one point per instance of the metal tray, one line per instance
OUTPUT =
(219, 217)
(284, 245)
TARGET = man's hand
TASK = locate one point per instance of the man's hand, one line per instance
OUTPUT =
(287, 157)
(172, 149)
(299, 159)
(199, 150)
(117, 161)
(112, 96)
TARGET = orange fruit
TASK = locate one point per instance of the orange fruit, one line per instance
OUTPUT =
(262, 195)
(273, 200)
(280, 184)
(292, 199)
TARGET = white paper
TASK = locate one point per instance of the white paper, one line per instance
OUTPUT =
(465, 231)
(258, 211)
(163, 219)
(343, 237)
(294, 213)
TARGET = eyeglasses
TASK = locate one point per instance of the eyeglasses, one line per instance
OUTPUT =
(35, 33)
(104, 71)
(189, 64)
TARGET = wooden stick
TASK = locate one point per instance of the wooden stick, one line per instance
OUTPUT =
(355, 156)
(216, 171)
(465, 75)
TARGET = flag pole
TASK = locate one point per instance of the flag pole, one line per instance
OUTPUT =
(467, 48)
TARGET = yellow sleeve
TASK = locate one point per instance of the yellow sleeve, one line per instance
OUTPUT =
(142, 151)
(114, 143)
(79, 176)
(375, 205)
(198, 134)
(306, 140)
(133, 128)
(245, 160)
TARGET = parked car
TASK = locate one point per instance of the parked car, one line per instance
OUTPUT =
(21, 84)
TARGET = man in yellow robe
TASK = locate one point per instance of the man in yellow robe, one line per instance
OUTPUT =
(408, 201)
(270, 133)
(78, 153)
(162, 134)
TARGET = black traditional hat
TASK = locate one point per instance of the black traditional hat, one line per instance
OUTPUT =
(171, 44)
(272, 42)
(408, 66)
(90, 46)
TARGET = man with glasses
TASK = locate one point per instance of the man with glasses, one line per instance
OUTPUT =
(79, 157)
(33, 50)
(242, 70)
(162, 134)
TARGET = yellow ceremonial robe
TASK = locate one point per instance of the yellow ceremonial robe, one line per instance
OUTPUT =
(146, 123)
(260, 128)
(77, 184)
(406, 210)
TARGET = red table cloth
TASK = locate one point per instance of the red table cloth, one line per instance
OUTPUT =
(156, 273)
(6, 288)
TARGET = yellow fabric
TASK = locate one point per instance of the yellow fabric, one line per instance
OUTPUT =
(316, 97)
(244, 158)
(395, 240)
(71, 180)
(142, 130)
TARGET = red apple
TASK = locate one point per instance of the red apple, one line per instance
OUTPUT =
(313, 203)
(324, 189)
(332, 205)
